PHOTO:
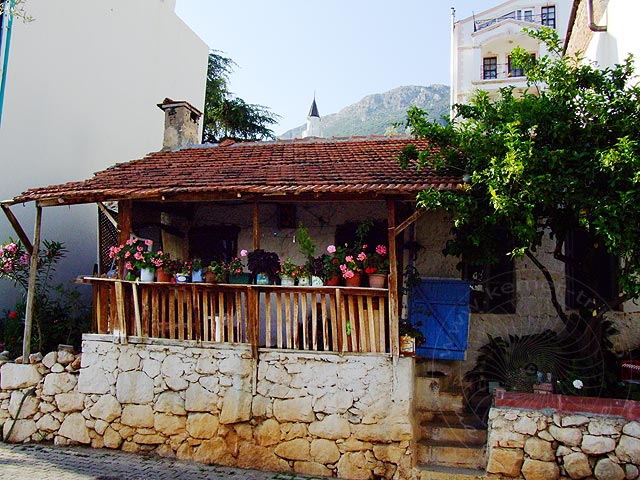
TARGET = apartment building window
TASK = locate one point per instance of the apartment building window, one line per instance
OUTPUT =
(526, 15)
(548, 16)
(517, 71)
(489, 68)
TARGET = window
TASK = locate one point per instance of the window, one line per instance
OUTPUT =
(548, 16)
(493, 287)
(526, 15)
(518, 71)
(489, 68)
(592, 273)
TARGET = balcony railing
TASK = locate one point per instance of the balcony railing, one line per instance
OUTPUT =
(540, 19)
(334, 319)
(501, 71)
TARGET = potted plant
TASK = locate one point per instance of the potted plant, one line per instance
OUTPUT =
(196, 269)
(377, 267)
(263, 266)
(352, 267)
(331, 266)
(236, 269)
(135, 256)
(216, 272)
(411, 337)
(183, 269)
(288, 272)
(307, 247)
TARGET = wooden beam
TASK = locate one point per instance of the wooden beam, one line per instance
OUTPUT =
(18, 229)
(31, 291)
(404, 225)
(394, 308)
(256, 226)
(107, 213)
(124, 225)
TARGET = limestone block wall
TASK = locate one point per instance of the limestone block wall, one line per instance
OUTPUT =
(323, 414)
(545, 445)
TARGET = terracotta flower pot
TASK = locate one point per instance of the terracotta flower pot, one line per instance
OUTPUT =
(333, 281)
(377, 280)
(163, 276)
(354, 281)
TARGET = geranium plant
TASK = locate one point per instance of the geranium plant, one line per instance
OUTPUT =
(331, 262)
(136, 254)
(353, 264)
(289, 269)
(378, 261)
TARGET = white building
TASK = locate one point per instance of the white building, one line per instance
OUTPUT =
(314, 129)
(604, 31)
(83, 81)
(481, 45)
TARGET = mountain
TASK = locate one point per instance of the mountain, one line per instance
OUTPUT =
(375, 114)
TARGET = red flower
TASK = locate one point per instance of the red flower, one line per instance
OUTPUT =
(13, 314)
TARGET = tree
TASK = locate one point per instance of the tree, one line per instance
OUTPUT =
(226, 116)
(562, 157)
(15, 8)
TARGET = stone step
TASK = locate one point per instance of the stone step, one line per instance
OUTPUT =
(460, 433)
(435, 472)
(437, 401)
(447, 454)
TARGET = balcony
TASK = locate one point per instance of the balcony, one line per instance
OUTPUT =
(323, 319)
(545, 19)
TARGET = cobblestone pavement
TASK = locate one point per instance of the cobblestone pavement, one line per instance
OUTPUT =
(47, 462)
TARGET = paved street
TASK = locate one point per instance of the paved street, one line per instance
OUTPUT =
(46, 462)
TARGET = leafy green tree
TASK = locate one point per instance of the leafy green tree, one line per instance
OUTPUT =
(562, 157)
(226, 116)
(17, 9)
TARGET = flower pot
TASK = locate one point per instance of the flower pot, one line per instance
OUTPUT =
(163, 276)
(333, 281)
(239, 278)
(146, 275)
(196, 276)
(316, 281)
(286, 281)
(304, 281)
(211, 277)
(407, 345)
(353, 281)
(182, 278)
(262, 279)
(377, 280)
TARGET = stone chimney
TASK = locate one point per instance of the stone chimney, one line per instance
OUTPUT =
(181, 124)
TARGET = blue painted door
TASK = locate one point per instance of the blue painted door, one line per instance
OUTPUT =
(440, 309)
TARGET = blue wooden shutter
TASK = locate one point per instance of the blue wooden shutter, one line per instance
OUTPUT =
(440, 309)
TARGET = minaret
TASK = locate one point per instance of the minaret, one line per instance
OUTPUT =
(313, 122)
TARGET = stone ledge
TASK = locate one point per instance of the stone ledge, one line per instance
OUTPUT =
(628, 409)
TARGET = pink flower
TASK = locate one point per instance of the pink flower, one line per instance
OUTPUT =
(331, 249)
(128, 266)
(243, 253)
(348, 258)
(348, 274)
(362, 256)
(381, 250)
(148, 243)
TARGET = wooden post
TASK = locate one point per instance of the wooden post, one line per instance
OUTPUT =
(256, 226)
(394, 320)
(124, 225)
(31, 292)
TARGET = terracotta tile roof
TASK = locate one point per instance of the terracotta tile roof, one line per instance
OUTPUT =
(355, 165)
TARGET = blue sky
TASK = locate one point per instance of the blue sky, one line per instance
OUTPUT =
(342, 50)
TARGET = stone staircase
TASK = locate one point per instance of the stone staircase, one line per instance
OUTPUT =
(452, 440)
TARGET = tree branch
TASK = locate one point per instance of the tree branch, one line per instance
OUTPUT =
(552, 286)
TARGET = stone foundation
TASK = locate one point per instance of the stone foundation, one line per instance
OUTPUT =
(550, 444)
(323, 414)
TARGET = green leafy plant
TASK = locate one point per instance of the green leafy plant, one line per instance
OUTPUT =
(260, 261)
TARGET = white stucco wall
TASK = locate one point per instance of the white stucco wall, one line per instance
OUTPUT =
(83, 82)
(620, 39)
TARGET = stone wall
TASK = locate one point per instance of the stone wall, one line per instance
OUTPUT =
(323, 414)
(543, 445)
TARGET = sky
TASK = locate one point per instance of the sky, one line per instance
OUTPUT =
(338, 50)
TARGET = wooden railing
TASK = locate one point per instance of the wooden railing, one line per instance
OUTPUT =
(336, 319)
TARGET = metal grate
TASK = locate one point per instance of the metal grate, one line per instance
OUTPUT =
(107, 237)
